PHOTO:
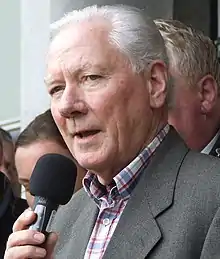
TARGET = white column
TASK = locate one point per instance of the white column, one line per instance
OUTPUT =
(35, 21)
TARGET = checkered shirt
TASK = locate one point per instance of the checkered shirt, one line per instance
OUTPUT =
(112, 199)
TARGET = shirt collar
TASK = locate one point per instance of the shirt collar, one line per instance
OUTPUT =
(207, 149)
(125, 181)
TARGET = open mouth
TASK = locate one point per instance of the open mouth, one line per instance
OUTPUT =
(87, 133)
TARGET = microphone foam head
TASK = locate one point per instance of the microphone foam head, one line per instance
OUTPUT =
(54, 178)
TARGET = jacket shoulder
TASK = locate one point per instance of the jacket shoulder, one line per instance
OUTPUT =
(205, 165)
(199, 175)
(68, 214)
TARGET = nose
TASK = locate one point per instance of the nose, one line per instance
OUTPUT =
(72, 103)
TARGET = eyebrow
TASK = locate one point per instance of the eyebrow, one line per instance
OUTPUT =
(51, 81)
(48, 80)
(87, 66)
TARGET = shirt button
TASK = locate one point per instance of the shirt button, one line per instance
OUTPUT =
(111, 201)
(106, 221)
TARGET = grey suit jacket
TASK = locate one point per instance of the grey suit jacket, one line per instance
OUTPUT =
(173, 212)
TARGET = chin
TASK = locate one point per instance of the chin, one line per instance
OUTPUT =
(92, 162)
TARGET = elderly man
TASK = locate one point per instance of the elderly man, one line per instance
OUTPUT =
(195, 69)
(145, 194)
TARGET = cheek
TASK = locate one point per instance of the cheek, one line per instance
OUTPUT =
(124, 110)
(187, 109)
(182, 117)
(113, 106)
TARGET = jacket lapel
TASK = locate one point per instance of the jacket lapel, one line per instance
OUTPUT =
(137, 232)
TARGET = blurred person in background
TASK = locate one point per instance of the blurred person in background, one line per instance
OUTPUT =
(195, 70)
(10, 206)
(40, 137)
(7, 166)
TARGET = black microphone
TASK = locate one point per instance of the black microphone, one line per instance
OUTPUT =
(52, 183)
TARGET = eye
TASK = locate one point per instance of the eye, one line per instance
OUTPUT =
(92, 77)
(56, 89)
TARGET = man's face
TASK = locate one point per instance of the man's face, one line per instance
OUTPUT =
(101, 107)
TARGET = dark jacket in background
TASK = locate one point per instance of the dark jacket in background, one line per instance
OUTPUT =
(10, 208)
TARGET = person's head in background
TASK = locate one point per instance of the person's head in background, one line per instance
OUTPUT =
(7, 165)
(3, 178)
(40, 137)
(194, 67)
(7, 161)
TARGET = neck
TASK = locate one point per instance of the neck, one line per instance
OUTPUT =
(160, 119)
(200, 138)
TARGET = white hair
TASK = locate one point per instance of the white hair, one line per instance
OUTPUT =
(132, 32)
(192, 54)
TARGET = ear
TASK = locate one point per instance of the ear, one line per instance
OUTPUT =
(157, 83)
(208, 90)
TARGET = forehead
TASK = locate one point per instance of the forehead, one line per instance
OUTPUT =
(82, 46)
(80, 33)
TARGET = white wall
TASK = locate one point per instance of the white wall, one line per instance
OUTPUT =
(10, 61)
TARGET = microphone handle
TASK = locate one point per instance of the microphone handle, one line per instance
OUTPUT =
(45, 211)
